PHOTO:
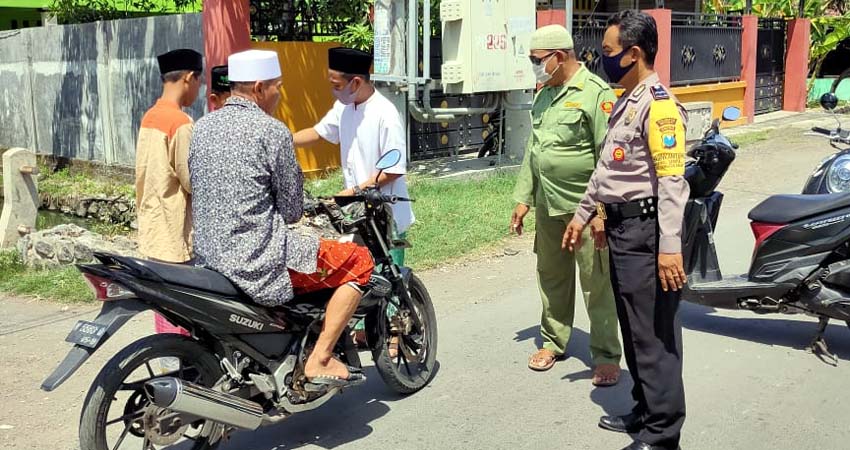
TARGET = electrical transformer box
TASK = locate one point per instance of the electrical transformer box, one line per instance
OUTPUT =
(485, 45)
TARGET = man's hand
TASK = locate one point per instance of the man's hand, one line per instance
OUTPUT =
(597, 230)
(671, 271)
(572, 237)
(345, 193)
(517, 218)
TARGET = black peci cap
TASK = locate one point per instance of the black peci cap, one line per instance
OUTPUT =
(220, 81)
(181, 59)
(349, 60)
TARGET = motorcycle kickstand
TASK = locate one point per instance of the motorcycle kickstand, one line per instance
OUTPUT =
(818, 345)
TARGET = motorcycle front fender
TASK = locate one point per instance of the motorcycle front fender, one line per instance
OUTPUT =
(113, 315)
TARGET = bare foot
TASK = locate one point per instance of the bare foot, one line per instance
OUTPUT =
(327, 366)
(606, 375)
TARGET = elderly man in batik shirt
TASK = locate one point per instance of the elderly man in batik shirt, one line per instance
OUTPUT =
(248, 187)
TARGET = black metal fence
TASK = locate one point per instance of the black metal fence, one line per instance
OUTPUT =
(770, 65)
(705, 48)
(294, 20)
(588, 30)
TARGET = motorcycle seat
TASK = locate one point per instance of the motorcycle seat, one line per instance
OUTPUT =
(185, 275)
(783, 209)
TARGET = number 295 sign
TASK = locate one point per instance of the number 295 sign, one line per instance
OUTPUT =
(496, 42)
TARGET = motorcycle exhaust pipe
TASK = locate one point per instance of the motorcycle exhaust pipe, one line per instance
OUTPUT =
(188, 398)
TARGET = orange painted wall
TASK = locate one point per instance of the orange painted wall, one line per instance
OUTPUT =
(306, 97)
(720, 94)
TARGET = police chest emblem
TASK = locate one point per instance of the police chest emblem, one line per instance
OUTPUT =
(619, 154)
(669, 140)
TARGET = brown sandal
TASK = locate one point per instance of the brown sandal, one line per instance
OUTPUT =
(605, 375)
(542, 360)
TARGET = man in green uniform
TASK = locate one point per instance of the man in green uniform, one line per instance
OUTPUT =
(570, 119)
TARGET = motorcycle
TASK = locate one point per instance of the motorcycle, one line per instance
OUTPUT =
(801, 259)
(832, 175)
(242, 364)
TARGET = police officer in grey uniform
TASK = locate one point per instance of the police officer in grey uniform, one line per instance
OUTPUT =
(638, 189)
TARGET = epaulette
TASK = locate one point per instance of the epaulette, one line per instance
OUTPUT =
(659, 92)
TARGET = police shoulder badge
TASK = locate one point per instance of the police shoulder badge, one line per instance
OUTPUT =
(607, 107)
(658, 92)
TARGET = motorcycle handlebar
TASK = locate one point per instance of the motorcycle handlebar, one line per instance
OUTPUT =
(822, 131)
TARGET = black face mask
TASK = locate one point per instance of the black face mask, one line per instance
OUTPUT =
(612, 67)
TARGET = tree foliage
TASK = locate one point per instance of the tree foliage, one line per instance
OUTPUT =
(84, 11)
(830, 21)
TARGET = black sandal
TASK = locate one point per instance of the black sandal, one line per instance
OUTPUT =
(324, 382)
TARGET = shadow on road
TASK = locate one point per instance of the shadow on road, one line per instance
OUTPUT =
(613, 399)
(770, 330)
(344, 419)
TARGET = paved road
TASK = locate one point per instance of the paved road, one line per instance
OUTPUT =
(749, 383)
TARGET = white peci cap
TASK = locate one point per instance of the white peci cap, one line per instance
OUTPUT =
(253, 65)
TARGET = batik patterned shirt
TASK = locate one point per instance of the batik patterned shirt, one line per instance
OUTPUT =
(248, 187)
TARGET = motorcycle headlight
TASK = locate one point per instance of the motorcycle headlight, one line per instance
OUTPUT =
(838, 177)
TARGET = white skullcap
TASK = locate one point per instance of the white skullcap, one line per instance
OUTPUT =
(253, 65)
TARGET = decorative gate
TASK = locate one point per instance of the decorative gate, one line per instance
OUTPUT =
(770, 65)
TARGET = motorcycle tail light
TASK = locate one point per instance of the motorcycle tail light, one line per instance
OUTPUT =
(106, 290)
(762, 231)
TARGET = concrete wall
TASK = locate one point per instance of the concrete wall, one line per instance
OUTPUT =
(80, 91)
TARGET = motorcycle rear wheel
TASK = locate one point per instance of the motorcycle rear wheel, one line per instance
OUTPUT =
(415, 364)
(145, 358)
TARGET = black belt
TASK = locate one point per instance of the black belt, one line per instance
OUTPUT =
(647, 207)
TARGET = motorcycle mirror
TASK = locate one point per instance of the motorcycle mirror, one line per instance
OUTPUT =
(389, 159)
(731, 113)
(829, 101)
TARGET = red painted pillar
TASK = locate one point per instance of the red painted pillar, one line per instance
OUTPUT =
(227, 30)
(749, 54)
(664, 23)
(797, 64)
(551, 17)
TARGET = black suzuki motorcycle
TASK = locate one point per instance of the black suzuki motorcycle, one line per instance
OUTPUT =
(832, 175)
(801, 260)
(242, 364)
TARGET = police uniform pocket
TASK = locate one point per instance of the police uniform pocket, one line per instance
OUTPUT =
(622, 145)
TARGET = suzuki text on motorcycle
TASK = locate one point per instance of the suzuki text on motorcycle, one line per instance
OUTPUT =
(242, 364)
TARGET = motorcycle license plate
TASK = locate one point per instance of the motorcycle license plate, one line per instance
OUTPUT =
(87, 334)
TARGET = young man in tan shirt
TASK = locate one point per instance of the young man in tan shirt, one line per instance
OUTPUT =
(163, 192)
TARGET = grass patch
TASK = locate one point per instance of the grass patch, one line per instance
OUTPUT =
(63, 184)
(62, 285)
(751, 138)
(328, 185)
(454, 217)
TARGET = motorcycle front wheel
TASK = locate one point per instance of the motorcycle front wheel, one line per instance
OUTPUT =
(414, 364)
(117, 412)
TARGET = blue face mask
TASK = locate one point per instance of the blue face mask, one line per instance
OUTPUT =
(612, 67)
